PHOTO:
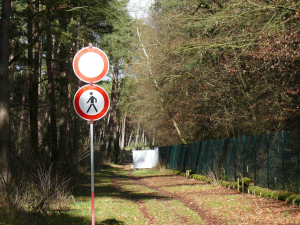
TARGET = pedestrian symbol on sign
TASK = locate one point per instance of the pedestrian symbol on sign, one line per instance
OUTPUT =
(91, 102)
(92, 99)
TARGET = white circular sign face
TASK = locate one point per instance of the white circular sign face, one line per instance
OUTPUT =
(91, 64)
(91, 102)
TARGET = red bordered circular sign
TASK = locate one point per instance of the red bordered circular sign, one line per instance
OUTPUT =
(90, 64)
(91, 102)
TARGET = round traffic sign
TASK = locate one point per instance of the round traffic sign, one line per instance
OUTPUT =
(90, 64)
(91, 102)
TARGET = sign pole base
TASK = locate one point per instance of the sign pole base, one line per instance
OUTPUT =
(93, 209)
(92, 171)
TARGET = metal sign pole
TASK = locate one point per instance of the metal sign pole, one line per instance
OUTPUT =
(92, 171)
(94, 66)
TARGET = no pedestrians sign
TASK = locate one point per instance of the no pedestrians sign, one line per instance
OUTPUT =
(91, 102)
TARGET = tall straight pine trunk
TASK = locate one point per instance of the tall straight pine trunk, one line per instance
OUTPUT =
(51, 90)
(63, 129)
(4, 86)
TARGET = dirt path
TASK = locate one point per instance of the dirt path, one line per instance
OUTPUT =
(150, 219)
(185, 200)
(188, 202)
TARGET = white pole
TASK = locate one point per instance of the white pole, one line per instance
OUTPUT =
(92, 171)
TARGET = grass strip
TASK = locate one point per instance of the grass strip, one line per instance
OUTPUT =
(110, 205)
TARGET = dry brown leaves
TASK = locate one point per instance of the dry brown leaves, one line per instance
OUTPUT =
(228, 205)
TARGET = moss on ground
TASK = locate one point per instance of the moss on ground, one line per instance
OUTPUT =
(248, 186)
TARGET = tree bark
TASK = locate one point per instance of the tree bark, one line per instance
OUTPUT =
(115, 97)
(33, 81)
(33, 65)
(137, 134)
(63, 144)
(4, 85)
(76, 123)
(51, 91)
(129, 140)
(112, 120)
(123, 132)
(13, 123)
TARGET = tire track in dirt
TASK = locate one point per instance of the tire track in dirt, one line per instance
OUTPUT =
(186, 201)
(141, 205)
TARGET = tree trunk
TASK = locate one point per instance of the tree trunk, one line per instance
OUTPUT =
(137, 134)
(25, 97)
(4, 85)
(13, 123)
(34, 77)
(115, 97)
(33, 107)
(123, 133)
(69, 123)
(153, 140)
(75, 142)
(51, 91)
(63, 144)
(113, 117)
(129, 140)
(116, 144)
(40, 121)
(143, 137)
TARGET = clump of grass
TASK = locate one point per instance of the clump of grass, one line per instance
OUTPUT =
(284, 195)
(257, 191)
(160, 167)
(213, 177)
(247, 181)
(278, 195)
(200, 177)
(233, 185)
(225, 183)
(291, 199)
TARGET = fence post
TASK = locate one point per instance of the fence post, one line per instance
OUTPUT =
(219, 155)
(226, 166)
(212, 155)
(283, 175)
(255, 182)
(206, 156)
(268, 159)
(244, 154)
(198, 157)
(234, 158)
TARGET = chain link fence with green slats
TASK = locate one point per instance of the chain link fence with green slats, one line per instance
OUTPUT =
(270, 160)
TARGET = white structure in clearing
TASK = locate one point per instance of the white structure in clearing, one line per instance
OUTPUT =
(143, 159)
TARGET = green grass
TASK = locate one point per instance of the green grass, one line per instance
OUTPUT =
(144, 172)
(286, 213)
(112, 207)
(149, 172)
(172, 212)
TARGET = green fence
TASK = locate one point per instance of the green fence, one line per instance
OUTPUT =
(271, 160)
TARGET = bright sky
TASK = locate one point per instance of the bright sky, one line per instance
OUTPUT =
(138, 8)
